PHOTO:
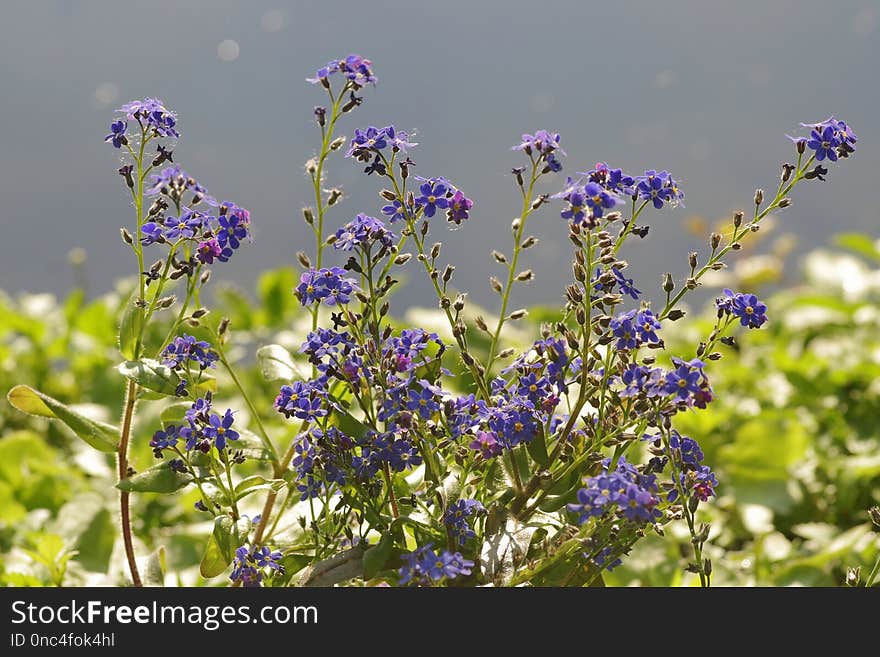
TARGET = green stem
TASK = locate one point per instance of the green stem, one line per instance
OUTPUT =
(122, 460)
(511, 271)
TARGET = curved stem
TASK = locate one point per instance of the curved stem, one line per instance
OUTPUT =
(122, 460)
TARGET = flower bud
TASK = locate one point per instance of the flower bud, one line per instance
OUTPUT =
(518, 314)
(692, 260)
(787, 170)
(737, 219)
(308, 216)
(675, 314)
(201, 312)
(320, 115)
(525, 275)
(447, 273)
(759, 196)
(333, 196)
(784, 203)
(515, 224)
(499, 257)
(435, 250)
(388, 195)
(126, 236)
(166, 302)
(312, 166)
(801, 146)
(529, 242)
(481, 323)
(303, 259)
(853, 575)
(541, 200)
(507, 353)
(224, 326)
(715, 240)
(337, 143)
(874, 514)
(458, 304)
(206, 276)
(579, 272)
(496, 284)
(402, 259)
(668, 283)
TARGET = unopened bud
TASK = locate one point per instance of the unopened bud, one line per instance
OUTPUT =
(388, 195)
(126, 236)
(312, 166)
(337, 143)
(525, 275)
(224, 326)
(458, 304)
(447, 273)
(715, 240)
(759, 196)
(668, 283)
(675, 314)
(201, 312)
(529, 242)
(333, 196)
(499, 257)
(874, 514)
(787, 170)
(518, 314)
(206, 276)
(579, 272)
(303, 259)
(166, 302)
(692, 260)
(481, 323)
(402, 259)
(736, 246)
(507, 353)
(496, 284)
(515, 224)
(737, 219)
(784, 203)
(541, 200)
(309, 216)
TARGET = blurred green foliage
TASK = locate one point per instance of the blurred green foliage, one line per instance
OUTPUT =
(793, 435)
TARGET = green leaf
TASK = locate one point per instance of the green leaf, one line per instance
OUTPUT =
(861, 244)
(277, 364)
(150, 374)
(226, 538)
(131, 326)
(99, 435)
(348, 423)
(154, 572)
(538, 449)
(376, 556)
(158, 479)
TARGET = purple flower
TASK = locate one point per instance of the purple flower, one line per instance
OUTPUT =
(653, 187)
(250, 566)
(153, 115)
(433, 196)
(220, 429)
(623, 328)
(234, 223)
(363, 230)
(210, 249)
(397, 139)
(647, 324)
(456, 518)
(625, 285)
(486, 444)
(117, 134)
(394, 211)
(576, 210)
(186, 348)
(424, 401)
(301, 399)
(824, 141)
(153, 233)
(354, 68)
(598, 199)
(327, 285)
(425, 567)
(459, 207)
(542, 142)
(626, 490)
(683, 381)
(183, 227)
(750, 311)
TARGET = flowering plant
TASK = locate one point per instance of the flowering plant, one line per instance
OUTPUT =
(403, 457)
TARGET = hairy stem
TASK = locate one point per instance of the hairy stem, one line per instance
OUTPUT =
(122, 460)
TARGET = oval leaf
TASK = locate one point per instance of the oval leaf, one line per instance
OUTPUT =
(277, 364)
(158, 479)
(154, 572)
(376, 556)
(227, 537)
(151, 374)
(131, 325)
(99, 435)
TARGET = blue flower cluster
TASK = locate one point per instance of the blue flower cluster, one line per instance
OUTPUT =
(750, 311)
(251, 566)
(151, 114)
(363, 231)
(696, 479)
(544, 146)
(173, 181)
(425, 567)
(635, 328)
(202, 429)
(625, 490)
(214, 237)
(185, 349)
(686, 383)
(601, 189)
(357, 71)
(829, 139)
(329, 285)
(457, 519)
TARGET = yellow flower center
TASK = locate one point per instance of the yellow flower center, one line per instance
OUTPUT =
(750, 310)
(682, 383)
(518, 426)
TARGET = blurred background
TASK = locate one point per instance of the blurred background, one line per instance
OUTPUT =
(706, 90)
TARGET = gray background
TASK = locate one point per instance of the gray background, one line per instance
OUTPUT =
(704, 89)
